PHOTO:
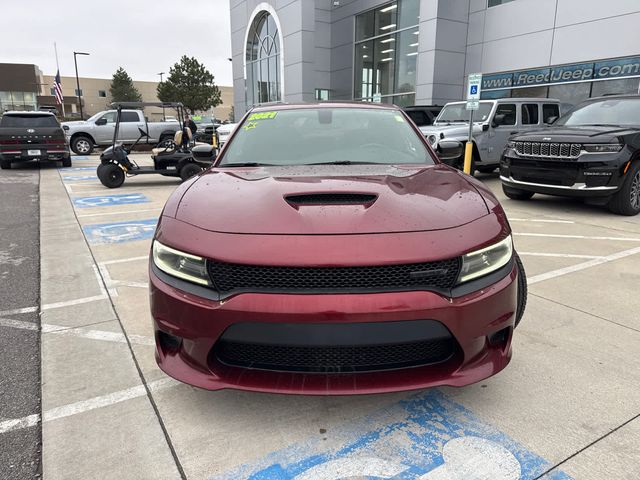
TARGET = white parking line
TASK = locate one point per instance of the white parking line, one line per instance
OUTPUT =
(582, 266)
(120, 212)
(538, 220)
(559, 255)
(49, 306)
(582, 237)
(78, 332)
(86, 405)
(125, 260)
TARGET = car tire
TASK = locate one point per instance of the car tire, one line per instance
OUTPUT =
(82, 145)
(110, 175)
(516, 193)
(189, 170)
(487, 169)
(66, 162)
(522, 290)
(5, 164)
(627, 200)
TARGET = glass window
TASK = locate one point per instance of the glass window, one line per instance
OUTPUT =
(493, 3)
(129, 117)
(263, 61)
(365, 25)
(110, 117)
(406, 55)
(572, 93)
(531, 92)
(419, 117)
(615, 87)
(78, 92)
(384, 63)
(24, 121)
(550, 110)
(529, 113)
(613, 111)
(458, 113)
(509, 112)
(408, 13)
(102, 93)
(327, 135)
(386, 19)
(322, 94)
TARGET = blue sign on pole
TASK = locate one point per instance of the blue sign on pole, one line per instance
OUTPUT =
(426, 437)
(121, 231)
(110, 200)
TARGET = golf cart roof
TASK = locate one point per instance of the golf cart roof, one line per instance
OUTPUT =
(145, 104)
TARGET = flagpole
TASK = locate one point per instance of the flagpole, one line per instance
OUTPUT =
(55, 47)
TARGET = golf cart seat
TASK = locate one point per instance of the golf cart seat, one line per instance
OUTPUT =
(204, 152)
(177, 143)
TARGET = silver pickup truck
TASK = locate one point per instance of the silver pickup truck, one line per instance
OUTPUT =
(493, 123)
(83, 136)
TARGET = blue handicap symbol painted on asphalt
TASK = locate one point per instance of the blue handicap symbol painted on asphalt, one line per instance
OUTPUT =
(79, 157)
(76, 169)
(76, 178)
(121, 231)
(425, 437)
(110, 200)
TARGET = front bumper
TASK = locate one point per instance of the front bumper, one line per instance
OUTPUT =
(198, 323)
(590, 175)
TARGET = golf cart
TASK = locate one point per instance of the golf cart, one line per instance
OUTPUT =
(170, 158)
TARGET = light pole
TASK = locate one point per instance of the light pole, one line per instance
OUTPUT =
(78, 81)
(164, 119)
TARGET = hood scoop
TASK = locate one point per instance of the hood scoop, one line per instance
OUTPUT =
(330, 198)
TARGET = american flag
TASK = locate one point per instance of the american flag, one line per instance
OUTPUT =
(57, 86)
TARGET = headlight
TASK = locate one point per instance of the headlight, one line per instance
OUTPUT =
(511, 144)
(482, 262)
(180, 264)
(603, 148)
(432, 139)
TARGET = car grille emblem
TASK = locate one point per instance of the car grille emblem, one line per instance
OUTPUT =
(31, 130)
(546, 139)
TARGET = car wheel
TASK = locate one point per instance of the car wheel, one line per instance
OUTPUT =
(522, 290)
(66, 162)
(516, 193)
(110, 175)
(189, 170)
(627, 200)
(5, 164)
(82, 145)
(487, 169)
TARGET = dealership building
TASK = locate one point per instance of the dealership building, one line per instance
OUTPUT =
(420, 51)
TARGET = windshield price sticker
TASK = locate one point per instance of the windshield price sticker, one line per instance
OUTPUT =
(262, 116)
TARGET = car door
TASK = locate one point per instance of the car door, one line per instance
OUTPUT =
(502, 132)
(530, 118)
(130, 121)
(103, 134)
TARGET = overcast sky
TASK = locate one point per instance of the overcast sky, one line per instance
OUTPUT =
(142, 36)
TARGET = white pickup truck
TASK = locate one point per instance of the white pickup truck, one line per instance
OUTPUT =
(83, 136)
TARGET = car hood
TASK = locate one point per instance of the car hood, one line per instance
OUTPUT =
(450, 131)
(586, 134)
(74, 123)
(258, 200)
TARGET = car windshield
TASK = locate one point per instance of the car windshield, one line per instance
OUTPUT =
(457, 112)
(613, 112)
(28, 120)
(306, 136)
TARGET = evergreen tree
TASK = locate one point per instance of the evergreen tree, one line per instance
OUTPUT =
(190, 83)
(122, 88)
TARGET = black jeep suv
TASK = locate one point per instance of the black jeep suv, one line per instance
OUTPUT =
(28, 136)
(593, 151)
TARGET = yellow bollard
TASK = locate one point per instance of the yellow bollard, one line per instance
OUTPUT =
(468, 155)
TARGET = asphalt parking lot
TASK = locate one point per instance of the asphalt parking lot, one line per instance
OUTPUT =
(568, 405)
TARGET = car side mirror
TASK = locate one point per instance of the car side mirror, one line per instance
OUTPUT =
(485, 127)
(498, 120)
(449, 150)
(550, 120)
(101, 121)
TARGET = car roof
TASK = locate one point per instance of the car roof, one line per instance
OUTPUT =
(297, 106)
(28, 112)
(513, 100)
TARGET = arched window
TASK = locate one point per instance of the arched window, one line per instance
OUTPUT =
(263, 61)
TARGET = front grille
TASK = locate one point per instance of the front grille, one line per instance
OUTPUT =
(548, 150)
(229, 277)
(331, 199)
(334, 359)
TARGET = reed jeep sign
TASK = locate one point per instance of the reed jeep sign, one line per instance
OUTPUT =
(578, 72)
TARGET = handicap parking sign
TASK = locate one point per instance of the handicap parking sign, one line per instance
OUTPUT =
(474, 89)
(110, 200)
(121, 231)
(426, 437)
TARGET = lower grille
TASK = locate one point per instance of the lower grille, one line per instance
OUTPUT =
(547, 173)
(229, 277)
(334, 359)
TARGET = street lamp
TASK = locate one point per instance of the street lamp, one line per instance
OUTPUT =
(164, 119)
(78, 81)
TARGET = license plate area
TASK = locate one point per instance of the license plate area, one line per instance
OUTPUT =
(33, 153)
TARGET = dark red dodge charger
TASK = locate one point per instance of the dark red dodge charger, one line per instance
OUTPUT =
(328, 251)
